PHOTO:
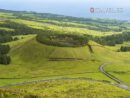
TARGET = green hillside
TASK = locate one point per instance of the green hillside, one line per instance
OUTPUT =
(35, 51)
(32, 59)
(44, 46)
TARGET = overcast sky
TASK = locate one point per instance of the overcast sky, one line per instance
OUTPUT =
(79, 8)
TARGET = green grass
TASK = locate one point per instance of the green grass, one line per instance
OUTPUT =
(78, 30)
(6, 15)
(120, 70)
(66, 89)
(21, 40)
(33, 51)
(30, 59)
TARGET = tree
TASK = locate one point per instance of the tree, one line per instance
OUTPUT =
(4, 58)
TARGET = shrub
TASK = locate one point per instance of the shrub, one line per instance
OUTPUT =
(124, 48)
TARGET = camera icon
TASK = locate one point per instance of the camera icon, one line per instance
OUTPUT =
(92, 10)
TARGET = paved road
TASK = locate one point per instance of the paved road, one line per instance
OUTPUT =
(121, 84)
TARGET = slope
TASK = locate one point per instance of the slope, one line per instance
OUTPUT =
(30, 61)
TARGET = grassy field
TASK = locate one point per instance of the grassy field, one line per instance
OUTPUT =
(30, 59)
(65, 89)
(6, 15)
(78, 30)
(120, 69)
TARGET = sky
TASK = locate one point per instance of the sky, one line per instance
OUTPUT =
(120, 9)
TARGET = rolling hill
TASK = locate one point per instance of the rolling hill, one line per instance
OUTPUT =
(35, 51)
(32, 60)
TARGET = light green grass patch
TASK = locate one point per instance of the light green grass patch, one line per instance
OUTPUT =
(72, 89)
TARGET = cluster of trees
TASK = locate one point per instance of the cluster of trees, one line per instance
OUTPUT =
(5, 35)
(125, 48)
(4, 39)
(112, 40)
(4, 58)
(18, 29)
(56, 38)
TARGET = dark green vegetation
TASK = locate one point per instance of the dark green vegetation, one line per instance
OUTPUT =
(14, 29)
(112, 40)
(4, 58)
(57, 38)
(125, 48)
(44, 46)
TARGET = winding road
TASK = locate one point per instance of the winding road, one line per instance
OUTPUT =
(121, 84)
(101, 69)
(47, 80)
